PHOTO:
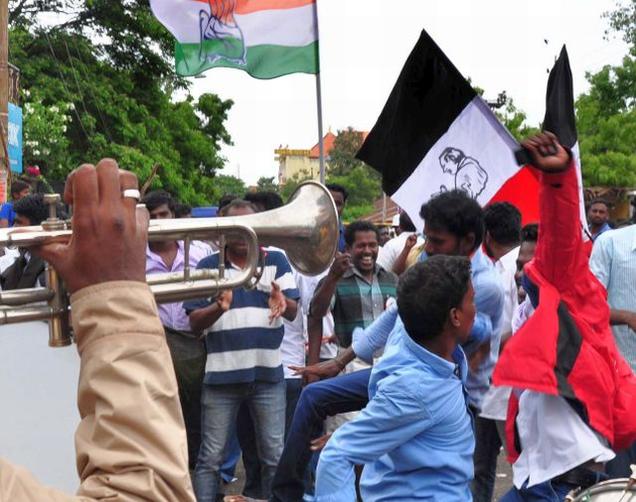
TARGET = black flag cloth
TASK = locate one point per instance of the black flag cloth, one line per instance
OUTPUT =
(436, 134)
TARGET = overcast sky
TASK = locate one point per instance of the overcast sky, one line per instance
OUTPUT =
(364, 43)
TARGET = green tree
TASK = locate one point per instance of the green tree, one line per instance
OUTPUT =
(514, 119)
(224, 184)
(363, 183)
(291, 184)
(267, 184)
(115, 114)
(45, 127)
(623, 20)
(342, 157)
(125, 32)
(606, 114)
(606, 122)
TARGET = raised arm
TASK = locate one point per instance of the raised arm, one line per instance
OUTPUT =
(327, 287)
(131, 442)
(559, 256)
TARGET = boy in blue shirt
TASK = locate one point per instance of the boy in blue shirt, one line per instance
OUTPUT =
(415, 436)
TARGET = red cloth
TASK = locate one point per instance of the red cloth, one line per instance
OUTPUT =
(566, 347)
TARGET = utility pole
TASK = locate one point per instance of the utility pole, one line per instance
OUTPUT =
(4, 95)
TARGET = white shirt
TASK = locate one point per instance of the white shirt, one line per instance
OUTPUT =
(553, 437)
(554, 440)
(307, 286)
(392, 249)
(8, 258)
(613, 262)
(495, 403)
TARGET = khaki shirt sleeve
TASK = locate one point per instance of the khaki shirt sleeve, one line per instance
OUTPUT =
(131, 442)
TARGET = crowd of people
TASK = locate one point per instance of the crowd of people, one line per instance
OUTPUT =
(399, 373)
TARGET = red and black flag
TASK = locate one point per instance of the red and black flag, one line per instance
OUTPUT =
(436, 134)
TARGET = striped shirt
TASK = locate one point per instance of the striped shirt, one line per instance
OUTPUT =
(613, 262)
(242, 345)
(358, 302)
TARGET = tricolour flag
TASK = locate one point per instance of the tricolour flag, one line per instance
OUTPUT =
(266, 38)
(436, 134)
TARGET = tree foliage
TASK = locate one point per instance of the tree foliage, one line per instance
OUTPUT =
(606, 114)
(623, 20)
(114, 97)
(513, 118)
(227, 185)
(267, 184)
(362, 182)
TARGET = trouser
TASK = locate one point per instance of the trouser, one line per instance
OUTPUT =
(317, 401)
(618, 467)
(487, 448)
(549, 491)
(247, 438)
(221, 404)
(188, 358)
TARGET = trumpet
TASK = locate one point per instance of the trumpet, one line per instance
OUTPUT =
(306, 228)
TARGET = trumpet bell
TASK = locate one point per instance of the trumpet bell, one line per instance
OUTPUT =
(306, 228)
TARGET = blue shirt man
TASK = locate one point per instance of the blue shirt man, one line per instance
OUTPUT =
(415, 436)
(19, 190)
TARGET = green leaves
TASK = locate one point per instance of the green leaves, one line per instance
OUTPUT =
(118, 111)
(606, 121)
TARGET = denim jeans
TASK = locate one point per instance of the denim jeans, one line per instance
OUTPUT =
(549, 491)
(487, 448)
(220, 404)
(317, 401)
(619, 466)
(543, 492)
(247, 438)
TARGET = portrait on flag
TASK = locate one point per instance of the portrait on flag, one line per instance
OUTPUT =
(435, 134)
(265, 38)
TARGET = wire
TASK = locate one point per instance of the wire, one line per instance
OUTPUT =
(57, 64)
(88, 79)
(79, 90)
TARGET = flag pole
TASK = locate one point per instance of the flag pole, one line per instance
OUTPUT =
(321, 146)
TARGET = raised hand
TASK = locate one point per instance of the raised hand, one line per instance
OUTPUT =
(97, 196)
(547, 153)
(277, 303)
(340, 265)
(411, 240)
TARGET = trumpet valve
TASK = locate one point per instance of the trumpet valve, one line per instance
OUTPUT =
(52, 222)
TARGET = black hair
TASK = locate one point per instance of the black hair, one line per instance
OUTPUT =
(428, 291)
(503, 222)
(226, 199)
(17, 186)
(157, 198)
(268, 200)
(406, 224)
(182, 210)
(597, 200)
(236, 203)
(455, 212)
(334, 187)
(34, 209)
(530, 233)
(359, 226)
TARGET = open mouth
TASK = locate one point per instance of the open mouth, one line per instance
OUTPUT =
(367, 261)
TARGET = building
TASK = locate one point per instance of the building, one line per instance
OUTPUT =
(302, 163)
(384, 212)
